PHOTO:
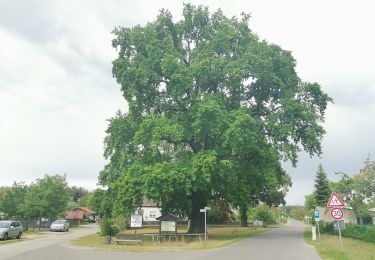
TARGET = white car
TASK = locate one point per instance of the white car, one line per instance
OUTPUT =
(60, 225)
(10, 228)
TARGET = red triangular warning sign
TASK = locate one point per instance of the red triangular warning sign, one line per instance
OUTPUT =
(335, 201)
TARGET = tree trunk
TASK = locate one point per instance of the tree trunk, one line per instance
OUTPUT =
(197, 217)
(243, 212)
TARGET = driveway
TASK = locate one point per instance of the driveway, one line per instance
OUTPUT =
(285, 242)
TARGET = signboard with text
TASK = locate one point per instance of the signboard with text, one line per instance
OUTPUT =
(136, 221)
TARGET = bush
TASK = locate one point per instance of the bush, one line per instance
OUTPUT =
(264, 214)
(107, 228)
(364, 233)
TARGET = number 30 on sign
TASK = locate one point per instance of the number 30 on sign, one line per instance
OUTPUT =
(337, 213)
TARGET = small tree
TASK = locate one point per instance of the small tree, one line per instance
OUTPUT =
(322, 188)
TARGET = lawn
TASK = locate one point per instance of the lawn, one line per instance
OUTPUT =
(27, 235)
(218, 237)
(328, 247)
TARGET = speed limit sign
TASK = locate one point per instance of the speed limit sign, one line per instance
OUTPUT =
(337, 213)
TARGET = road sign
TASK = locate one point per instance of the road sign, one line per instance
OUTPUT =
(335, 201)
(316, 215)
(336, 213)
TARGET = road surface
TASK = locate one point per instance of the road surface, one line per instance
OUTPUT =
(281, 243)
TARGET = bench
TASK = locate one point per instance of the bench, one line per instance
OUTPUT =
(131, 238)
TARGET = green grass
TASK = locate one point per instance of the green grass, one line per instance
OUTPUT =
(218, 237)
(27, 235)
(328, 247)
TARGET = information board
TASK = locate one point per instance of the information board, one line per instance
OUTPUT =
(135, 221)
(168, 226)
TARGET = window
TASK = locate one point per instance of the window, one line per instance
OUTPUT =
(152, 214)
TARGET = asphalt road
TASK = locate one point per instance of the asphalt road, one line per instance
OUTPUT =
(280, 243)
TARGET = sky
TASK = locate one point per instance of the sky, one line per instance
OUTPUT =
(57, 89)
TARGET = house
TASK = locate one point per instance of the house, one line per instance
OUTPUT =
(150, 210)
(81, 213)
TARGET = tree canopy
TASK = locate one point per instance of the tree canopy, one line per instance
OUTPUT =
(212, 111)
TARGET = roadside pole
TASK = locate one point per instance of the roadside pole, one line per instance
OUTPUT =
(336, 212)
(338, 223)
(205, 221)
(317, 223)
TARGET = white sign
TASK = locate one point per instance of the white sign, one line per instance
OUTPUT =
(337, 213)
(335, 201)
(135, 221)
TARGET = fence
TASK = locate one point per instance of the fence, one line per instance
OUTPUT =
(42, 224)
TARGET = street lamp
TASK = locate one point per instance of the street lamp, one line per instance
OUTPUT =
(205, 220)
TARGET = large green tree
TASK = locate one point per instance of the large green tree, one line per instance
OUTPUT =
(11, 199)
(208, 102)
(46, 197)
(322, 187)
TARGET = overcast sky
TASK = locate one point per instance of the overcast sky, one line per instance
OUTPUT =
(57, 90)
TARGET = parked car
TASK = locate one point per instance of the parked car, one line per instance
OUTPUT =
(60, 225)
(9, 228)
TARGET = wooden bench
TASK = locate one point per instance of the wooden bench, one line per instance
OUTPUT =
(131, 238)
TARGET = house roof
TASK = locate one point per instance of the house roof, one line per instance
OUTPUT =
(88, 210)
(78, 214)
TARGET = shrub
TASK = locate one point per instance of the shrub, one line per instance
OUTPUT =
(264, 214)
(107, 228)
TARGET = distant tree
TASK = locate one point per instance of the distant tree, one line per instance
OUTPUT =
(47, 197)
(322, 187)
(298, 213)
(77, 193)
(193, 86)
(12, 198)
(363, 190)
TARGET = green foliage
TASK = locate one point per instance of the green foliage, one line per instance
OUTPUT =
(107, 227)
(322, 188)
(298, 213)
(101, 202)
(262, 213)
(212, 111)
(310, 201)
(77, 193)
(364, 233)
(11, 199)
(47, 197)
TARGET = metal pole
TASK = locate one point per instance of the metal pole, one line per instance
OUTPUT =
(317, 222)
(205, 224)
(338, 222)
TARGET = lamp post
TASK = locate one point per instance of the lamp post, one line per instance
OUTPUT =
(205, 220)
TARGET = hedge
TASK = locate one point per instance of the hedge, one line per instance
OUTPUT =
(360, 232)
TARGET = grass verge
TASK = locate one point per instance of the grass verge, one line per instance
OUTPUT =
(218, 237)
(328, 247)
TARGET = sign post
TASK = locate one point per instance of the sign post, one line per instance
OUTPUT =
(336, 212)
(205, 220)
(135, 222)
